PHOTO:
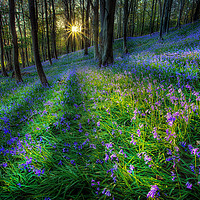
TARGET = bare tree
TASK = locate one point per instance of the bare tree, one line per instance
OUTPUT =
(24, 31)
(197, 11)
(34, 31)
(54, 30)
(18, 75)
(2, 50)
(107, 11)
(87, 28)
(95, 23)
(181, 6)
(125, 21)
(151, 18)
(143, 16)
(47, 31)
(161, 20)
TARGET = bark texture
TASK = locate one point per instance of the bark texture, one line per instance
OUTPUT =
(125, 21)
(107, 11)
(14, 41)
(40, 70)
(2, 50)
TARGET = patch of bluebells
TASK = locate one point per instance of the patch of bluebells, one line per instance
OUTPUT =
(146, 158)
(131, 169)
(96, 184)
(189, 185)
(106, 192)
(174, 158)
(153, 193)
(173, 175)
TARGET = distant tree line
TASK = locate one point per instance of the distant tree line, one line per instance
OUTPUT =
(32, 31)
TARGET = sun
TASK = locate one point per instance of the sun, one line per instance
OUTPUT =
(74, 29)
(76, 32)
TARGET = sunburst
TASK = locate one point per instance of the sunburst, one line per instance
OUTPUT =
(75, 31)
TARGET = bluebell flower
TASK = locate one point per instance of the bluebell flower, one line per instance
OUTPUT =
(19, 184)
(153, 191)
(189, 185)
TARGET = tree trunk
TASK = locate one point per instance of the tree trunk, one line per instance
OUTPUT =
(96, 29)
(154, 16)
(143, 16)
(192, 15)
(14, 41)
(70, 22)
(181, 6)
(34, 31)
(22, 43)
(166, 16)
(151, 17)
(83, 22)
(24, 30)
(197, 11)
(169, 15)
(54, 31)
(43, 33)
(133, 19)
(125, 21)
(159, 14)
(107, 12)
(47, 32)
(138, 22)
(161, 21)
(120, 20)
(87, 28)
(2, 50)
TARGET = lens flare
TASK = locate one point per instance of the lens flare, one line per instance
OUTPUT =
(74, 29)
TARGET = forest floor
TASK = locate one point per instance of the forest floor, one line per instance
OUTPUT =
(127, 131)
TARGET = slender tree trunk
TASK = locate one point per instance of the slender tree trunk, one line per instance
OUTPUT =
(22, 43)
(8, 55)
(197, 11)
(87, 28)
(107, 12)
(14, 41)
(8, 51)
(159, 14)
(71, 22)
(186, 16)
(7, 42)
(166, 16)
(47, 32)
(43, 33)
(96, 28)
(154, 16)
(34, 31)
(192, 15)
(2, 50)
(181, 6)
(54, 30)
(10, 60)
(125, 21)
(138, 22)
(134, 14)
(161, 21)
(83, 22)
(120, 19)
(24, 31)
(67, 16)
(151, 17)
(169, 15)
(143, 16)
